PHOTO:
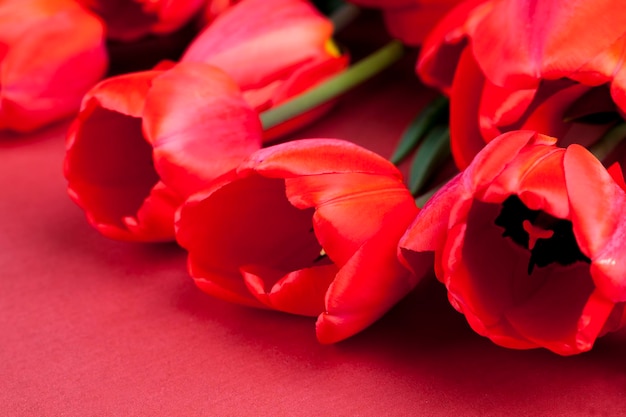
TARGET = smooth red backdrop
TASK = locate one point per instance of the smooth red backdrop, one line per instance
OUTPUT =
(94, 327)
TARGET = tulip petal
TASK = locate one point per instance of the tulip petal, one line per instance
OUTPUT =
(501, 107)
(548, 113)
(298, 81)
(599, 316)
(154, 220)
(490, 260)
(273, 42)
(365, 288)
(292, 159)
(222, 227)
(125, 94)
(465, 136)
(46, 70)
(536, 177)
(618, 86)
(550, 316)
(442, 48)
(274, 58)
(199, 136)
(617, 318)
(603, 67)
(597, 201)
(597, 205)
(492, 161)
(224, 287)
(537, 42)
(225, 224)
(477, 259)
(543, 186)
(429, 229)
(110, 176)
(348, 207)
(298, 292)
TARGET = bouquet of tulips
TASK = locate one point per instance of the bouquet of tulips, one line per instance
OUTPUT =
(200, 145)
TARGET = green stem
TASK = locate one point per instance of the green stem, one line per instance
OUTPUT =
(335, 86)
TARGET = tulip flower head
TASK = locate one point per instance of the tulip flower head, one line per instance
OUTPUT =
(308, 227)
(272, 59)
(51, 54)
(145, 141)
(518, 65)
(529, 243)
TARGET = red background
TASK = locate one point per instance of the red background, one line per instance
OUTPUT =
(94, 327)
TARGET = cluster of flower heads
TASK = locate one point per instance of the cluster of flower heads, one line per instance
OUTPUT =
(528, 237)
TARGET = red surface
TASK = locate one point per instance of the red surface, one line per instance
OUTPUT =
(94, 327)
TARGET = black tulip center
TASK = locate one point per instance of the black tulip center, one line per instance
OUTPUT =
(549, 239)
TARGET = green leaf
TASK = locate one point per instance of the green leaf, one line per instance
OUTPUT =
(436, 112)
(433, 151)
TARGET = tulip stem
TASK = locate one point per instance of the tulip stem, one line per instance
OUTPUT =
(335, 86)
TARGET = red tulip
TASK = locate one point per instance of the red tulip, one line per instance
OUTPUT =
(547, 69)
(51, 53)
(274, 58)
(308, 227)
(145, 141)
(128, 20)
(410, 20)
(529, 243)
